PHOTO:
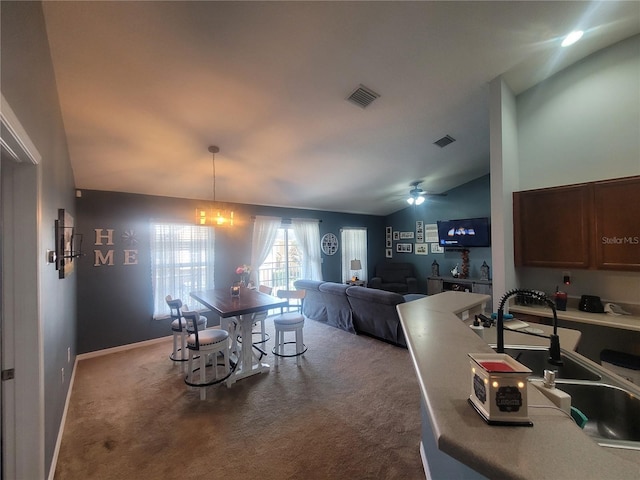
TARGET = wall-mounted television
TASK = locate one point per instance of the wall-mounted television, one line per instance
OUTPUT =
(464, 233)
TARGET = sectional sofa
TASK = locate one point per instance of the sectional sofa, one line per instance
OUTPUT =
(355, 309)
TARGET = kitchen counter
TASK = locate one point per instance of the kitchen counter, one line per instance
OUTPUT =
(626, 322)
(456, 439)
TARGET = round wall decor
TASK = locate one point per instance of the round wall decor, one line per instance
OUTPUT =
(329, 244)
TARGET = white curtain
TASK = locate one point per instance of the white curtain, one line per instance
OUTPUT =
(307, 233)
(182, 261)
(354, 247)
(265, 230)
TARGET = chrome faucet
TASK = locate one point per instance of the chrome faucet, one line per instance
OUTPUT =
(554, 348)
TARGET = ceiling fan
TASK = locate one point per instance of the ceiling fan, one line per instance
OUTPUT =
(416, 194)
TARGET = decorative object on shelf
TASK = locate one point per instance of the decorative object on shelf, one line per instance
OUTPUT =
(435, 269)
(465, 264)
(329, 244)
(68, 244)
(235, 290)
(484, 271)
(455, 271)
(244, 271)
(356, 265)
(214, 216)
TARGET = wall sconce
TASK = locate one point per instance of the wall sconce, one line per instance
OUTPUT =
(68, 244)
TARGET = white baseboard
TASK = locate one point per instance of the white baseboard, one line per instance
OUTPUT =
(121, 348)
(56, 451)
(425, 463)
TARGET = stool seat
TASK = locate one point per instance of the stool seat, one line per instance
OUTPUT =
(289, 319)
(208, 338)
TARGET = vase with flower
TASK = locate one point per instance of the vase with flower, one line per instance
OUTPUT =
(244, 271)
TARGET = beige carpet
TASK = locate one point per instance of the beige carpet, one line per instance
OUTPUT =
(351, 410)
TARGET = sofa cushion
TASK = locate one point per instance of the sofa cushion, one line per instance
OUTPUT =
(308, 284)
(375, 296)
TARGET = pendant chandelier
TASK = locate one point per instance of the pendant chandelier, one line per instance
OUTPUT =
(214, 216)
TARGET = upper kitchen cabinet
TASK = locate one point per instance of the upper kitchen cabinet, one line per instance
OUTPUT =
(552, 227)
(617, 224)
(592, 225)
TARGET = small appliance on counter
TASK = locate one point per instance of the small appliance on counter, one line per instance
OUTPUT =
(591, 304)
(524, 300)
(499, 389)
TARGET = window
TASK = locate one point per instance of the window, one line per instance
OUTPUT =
(181, 262)
(354, 247)
(283, 264)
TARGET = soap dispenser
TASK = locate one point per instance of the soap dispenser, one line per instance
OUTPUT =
(477, 327)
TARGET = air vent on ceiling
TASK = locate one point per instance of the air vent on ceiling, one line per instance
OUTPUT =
(444, 141)
(362, 96)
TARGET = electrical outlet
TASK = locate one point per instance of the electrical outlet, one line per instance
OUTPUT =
(62, 374)
(68, 354)
(566, 278)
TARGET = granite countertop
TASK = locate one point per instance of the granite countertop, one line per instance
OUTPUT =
(553, 448)
(627, 322)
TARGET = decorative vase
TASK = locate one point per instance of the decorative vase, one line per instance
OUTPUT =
(435, 269)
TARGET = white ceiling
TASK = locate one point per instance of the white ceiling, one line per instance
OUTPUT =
(146, 87)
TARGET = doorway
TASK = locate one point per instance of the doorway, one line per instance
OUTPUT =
(21, 397)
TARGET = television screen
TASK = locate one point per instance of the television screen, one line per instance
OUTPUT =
(467, 232)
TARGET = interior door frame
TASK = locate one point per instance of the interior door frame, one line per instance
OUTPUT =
(21, 344)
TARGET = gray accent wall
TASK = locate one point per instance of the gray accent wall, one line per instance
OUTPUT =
(115, 301)
(470, 200)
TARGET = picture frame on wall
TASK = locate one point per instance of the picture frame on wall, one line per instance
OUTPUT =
(389, 253)
(435, 248)
(396, 235)
(389, 243)
(406, 235)
(422, 249)
(404, 247)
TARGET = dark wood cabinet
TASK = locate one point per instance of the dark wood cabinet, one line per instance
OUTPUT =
(591, 225)
(617, 224)
(552, 227)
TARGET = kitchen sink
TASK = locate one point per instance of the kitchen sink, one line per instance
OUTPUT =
(537, 359)
(613, 413)
(611, 405)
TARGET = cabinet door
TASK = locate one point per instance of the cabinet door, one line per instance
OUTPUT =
(617, 225)
(552, 227)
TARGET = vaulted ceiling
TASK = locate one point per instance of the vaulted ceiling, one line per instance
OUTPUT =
(146, 87)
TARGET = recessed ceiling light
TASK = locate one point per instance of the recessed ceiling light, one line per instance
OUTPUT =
(572, 38)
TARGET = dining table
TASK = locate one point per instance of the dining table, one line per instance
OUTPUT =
(241, 308)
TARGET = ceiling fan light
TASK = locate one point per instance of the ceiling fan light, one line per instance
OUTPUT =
(419, 200)
(572, 38)
(410, 200)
